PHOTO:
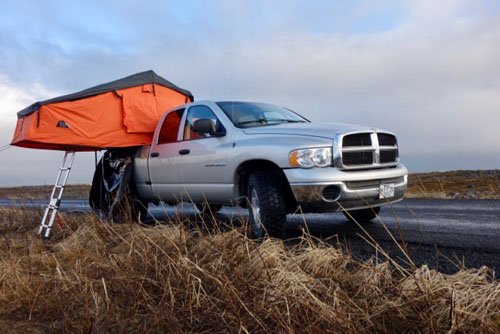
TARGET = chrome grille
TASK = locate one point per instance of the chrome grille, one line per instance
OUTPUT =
(366, 150)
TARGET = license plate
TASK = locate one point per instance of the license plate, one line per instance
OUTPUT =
(386, 191)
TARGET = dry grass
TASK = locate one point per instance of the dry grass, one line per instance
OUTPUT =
(98, 277)
(468, 184)
(43, 192)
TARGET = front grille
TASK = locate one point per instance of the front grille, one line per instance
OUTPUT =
(357, 185)
(368, 150)
(385, 139)
(388, 156)
(358, 139)
(358, 158)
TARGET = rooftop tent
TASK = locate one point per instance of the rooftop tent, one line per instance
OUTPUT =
(120, 113)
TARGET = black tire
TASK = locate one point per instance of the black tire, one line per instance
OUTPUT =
(362, 216)
(138, 207)
(130, 206)
(98, 200)
(271, 205)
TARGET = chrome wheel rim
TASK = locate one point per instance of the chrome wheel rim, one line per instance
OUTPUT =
(257, 222)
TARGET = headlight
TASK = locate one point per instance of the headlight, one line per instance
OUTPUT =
(314, 157)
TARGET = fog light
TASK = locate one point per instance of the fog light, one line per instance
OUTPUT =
(331, 193)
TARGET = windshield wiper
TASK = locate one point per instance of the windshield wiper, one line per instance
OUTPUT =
(266, 120)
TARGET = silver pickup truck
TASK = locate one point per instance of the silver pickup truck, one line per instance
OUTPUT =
(254, 155)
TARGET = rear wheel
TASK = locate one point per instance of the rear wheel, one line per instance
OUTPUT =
(362, 216)
(113, 194)
(267, 206)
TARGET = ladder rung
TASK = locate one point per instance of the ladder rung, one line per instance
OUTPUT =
(55, 202)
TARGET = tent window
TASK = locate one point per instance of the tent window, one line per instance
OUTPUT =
(170, 127)
(147, 88)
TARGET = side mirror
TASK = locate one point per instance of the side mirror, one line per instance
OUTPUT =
(207, 126)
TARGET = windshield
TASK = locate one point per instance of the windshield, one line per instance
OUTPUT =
(251, 114)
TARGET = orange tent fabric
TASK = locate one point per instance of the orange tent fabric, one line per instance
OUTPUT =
(101, 117)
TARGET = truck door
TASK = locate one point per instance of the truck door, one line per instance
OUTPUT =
(202, 162)
(163, 169)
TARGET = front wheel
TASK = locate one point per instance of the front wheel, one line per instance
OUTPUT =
(267, 206)
(362, 216)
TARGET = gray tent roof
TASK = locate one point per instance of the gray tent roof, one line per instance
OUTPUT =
(137, 79)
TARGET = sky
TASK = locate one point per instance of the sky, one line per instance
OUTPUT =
(427, 70)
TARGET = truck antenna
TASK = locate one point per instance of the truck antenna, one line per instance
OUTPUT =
(232, 108)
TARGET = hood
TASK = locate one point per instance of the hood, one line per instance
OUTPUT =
(326, 130)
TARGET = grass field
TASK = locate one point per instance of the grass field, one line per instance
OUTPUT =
(43, 192)
(481, 184)
(94, 276)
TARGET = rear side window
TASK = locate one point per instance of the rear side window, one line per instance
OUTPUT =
(170, 127)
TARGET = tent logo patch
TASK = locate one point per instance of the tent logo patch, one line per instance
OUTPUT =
(62, 124)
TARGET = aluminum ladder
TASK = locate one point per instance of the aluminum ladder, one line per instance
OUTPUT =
(56, 195)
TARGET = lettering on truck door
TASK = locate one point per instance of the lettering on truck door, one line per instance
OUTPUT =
(202, 159)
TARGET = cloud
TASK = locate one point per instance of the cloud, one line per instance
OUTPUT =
(14, 98)
(426, 70)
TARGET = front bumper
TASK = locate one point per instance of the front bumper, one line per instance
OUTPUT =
(330, 189)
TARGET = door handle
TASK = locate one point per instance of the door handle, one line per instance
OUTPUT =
(155, 154)
(184, 152)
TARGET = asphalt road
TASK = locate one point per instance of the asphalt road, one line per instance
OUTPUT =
(440, 233)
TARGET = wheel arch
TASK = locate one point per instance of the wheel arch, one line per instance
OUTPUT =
(246, 168)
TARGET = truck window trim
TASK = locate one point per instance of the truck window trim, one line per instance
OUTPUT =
(178, 111)
(186, 119)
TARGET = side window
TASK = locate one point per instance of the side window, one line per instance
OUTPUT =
(195, 113)
(170, 127)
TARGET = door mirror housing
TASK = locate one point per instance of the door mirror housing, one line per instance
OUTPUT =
(207, 126)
